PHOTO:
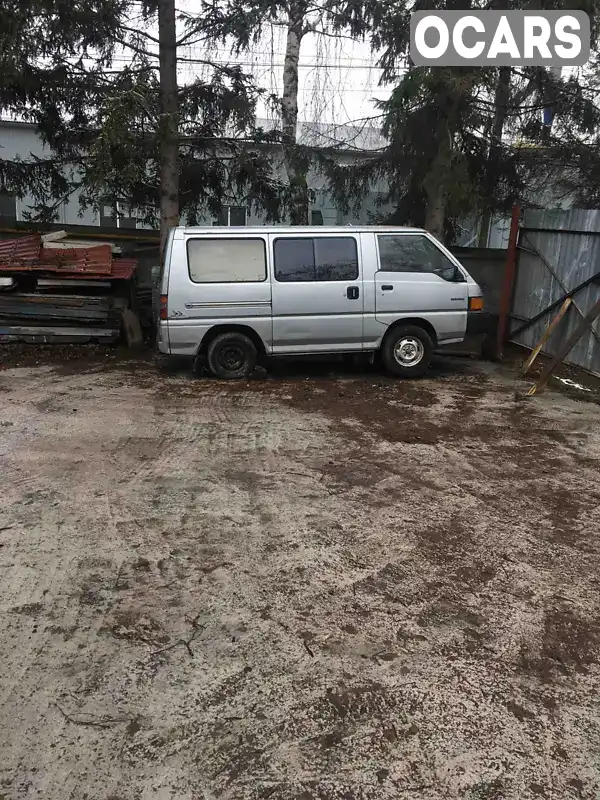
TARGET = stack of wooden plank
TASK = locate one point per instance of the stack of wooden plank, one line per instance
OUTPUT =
(57, 317)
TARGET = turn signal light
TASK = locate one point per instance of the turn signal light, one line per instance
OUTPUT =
(163, 306)
(475, 303)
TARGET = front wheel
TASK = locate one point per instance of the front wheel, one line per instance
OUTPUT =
(231, 356)
(407, 351)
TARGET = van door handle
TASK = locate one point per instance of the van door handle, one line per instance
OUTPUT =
(352, 293)
(387, 287)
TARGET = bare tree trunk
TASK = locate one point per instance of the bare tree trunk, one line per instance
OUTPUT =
(169, 119)
(501, 98)
(296, 163)
(435, 214)
(435, 184)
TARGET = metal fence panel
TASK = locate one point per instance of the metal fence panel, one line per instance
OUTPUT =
(569, 241)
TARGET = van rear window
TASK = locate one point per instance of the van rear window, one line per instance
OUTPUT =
(223, 260)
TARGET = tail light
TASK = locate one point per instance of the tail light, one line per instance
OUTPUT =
(163, 306)
(475, 303)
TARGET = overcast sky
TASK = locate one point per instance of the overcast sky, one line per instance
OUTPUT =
(338, 80)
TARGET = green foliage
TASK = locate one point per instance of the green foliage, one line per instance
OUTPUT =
(457, 134)
(240, 24)
(101, 120)
(470, 139)
(219, 152)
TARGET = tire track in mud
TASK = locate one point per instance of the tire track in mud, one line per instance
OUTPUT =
(360, 633)
(213, 423)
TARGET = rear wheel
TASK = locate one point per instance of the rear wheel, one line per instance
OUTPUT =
(407, 351)
(231, 356)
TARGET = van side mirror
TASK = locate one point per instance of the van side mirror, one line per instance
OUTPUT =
(451, 274)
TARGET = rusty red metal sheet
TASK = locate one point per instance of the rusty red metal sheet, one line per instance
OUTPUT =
(23, 249)
(96, 260)
(26, 254)
(123, 268)
(82, 260)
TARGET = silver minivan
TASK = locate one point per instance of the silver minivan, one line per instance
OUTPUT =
(233, 296)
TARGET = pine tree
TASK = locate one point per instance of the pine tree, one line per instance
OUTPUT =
(99, 80)
(241, 23)
(469, 142)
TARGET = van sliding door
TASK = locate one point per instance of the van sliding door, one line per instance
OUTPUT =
(317, 293)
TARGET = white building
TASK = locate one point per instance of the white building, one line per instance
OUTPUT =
(351, 144)
(21, 140)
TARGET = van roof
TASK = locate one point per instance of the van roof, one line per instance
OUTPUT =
(298, 229)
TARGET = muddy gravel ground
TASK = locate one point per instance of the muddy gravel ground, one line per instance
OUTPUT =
(317, 585)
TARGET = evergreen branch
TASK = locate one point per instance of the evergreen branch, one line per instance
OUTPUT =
(140, 32)
(136, 48)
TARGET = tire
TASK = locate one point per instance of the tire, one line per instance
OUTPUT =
(232, 356)
(407, 351)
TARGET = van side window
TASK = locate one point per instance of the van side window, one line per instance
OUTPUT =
(336, 259)
(323, 258)
(413, 253)
(294, 260)
(223, 260)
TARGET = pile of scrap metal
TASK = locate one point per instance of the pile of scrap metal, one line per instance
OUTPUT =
(55, 290)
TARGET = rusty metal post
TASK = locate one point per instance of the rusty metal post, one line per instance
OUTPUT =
(509, 280)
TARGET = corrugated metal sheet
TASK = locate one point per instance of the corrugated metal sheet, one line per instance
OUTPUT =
(25, 248)
(26, 254)
(88, 260)
(123, 268)
(569, 241)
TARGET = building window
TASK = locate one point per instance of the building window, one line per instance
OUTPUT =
(316, 217)
(108, 215)
(324, 258)
(231, 215)
(8, 205)
(117, 215)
